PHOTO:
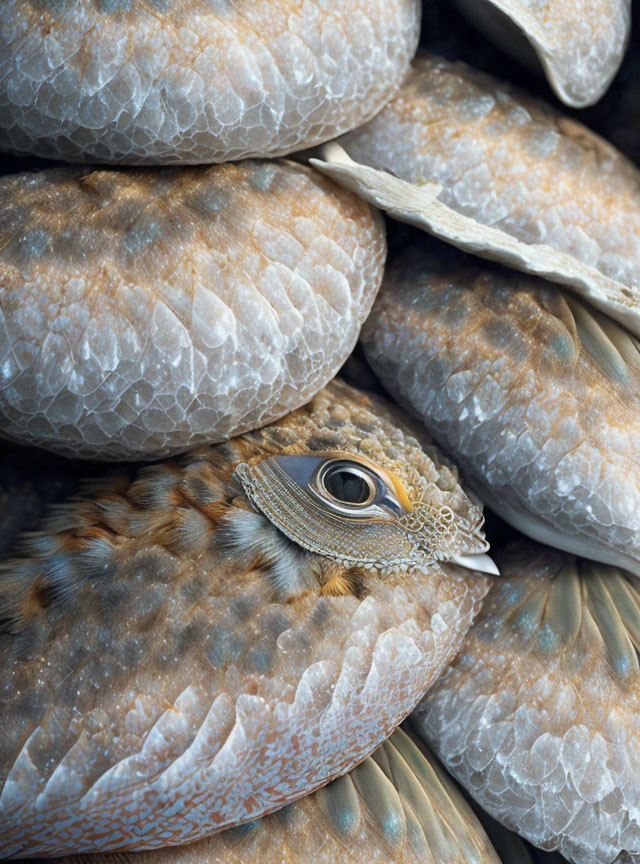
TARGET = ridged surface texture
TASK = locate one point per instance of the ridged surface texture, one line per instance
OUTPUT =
(397, 807)
(579, 43)
(509, 161)
(190, 81)
(144, 312)
(172, 665)
(534, 393)
(539, 716)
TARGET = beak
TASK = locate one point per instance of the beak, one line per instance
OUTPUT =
(481, 563)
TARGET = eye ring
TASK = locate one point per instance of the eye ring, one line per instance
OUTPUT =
(347, 484)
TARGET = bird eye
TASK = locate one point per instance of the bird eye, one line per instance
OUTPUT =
(348, 484)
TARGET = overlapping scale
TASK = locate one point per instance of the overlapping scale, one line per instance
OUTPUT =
(533, 392)
(578, 43)
(397, 807)
(538, 717)
(195, 81)
(144, 312)
(498, 173)
(173, 665)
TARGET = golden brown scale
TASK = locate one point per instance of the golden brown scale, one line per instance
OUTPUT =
(173, 664)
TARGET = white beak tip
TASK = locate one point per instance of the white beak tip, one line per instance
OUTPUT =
(480, 563)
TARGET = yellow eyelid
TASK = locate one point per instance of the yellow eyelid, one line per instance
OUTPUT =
(399, 489)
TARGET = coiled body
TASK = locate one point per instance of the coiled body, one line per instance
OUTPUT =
(534, 392)
(173, 665)
(191, 81)
(144, 312)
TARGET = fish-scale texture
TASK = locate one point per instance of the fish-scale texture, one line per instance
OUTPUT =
(190, 81)
(156, 688)
(539, 715)
(509, 161)
(144, 312)
(579, 43)
(397, 807)
(535, 394)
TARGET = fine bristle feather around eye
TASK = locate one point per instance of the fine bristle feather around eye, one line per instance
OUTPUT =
(255, 539)
(339, 581)
(15, 586)
(154, 486)
(191, 533)
(115, 512)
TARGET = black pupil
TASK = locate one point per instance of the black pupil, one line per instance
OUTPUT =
(347, 487)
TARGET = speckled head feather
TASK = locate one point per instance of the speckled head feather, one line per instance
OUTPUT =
(534, 393)
(145, 312)
(173, 664)
(539, 715)
(194, 81)
(397, 807)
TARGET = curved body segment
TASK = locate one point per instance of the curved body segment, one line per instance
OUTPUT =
(195, 81)
(533, 392)
(145, 312)
(578, 43)
(396, 807)
(174, 665)
(538, 717)
(497, 172)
